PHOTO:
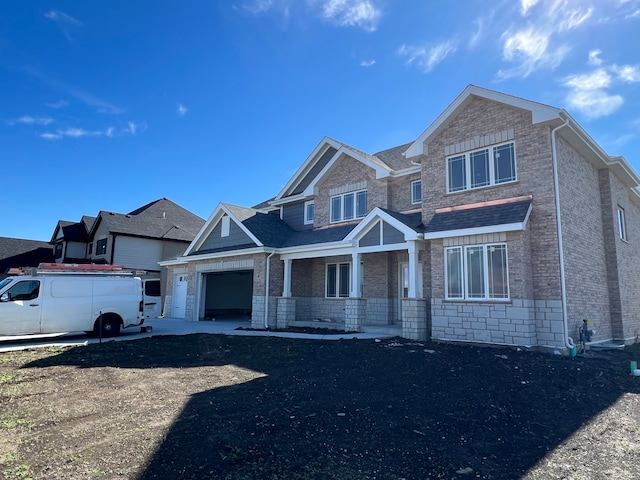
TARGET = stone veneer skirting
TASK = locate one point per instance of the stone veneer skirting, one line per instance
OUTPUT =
(518, 322)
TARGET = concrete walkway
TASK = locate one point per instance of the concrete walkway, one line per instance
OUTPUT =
(166, 326)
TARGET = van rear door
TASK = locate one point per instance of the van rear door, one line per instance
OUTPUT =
(152, 298)
(21, 308)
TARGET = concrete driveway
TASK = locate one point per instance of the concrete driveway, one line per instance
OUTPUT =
(164, 326)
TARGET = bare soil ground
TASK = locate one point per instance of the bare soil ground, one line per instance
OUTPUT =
(205, 406)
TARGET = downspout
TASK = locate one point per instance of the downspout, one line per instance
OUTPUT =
(113, 248)
(266, 292)
(568, 341)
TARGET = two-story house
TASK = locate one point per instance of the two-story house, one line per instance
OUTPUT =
(503, 223)
(70, 240)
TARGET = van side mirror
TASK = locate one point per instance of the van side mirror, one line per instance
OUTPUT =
(5, 297)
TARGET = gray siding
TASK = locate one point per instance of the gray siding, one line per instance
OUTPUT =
(236, 238)
(372, 237)
(391, 235)
(315, 170)
(293, 215)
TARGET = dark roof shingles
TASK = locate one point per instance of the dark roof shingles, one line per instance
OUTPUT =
(484, 216)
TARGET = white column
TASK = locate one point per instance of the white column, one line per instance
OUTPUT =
(286, 291)
(356, 275)
(414, 270)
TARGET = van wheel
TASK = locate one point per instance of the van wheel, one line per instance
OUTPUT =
(110, 326)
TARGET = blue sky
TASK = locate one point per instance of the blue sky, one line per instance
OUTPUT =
(111, 105)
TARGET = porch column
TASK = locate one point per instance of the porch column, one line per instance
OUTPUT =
(286, 289)
(414, 271)
(356, 275)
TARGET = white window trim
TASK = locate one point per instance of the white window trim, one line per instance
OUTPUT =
(467, 164)
(413, 199)
(465, 295)
(308, 221)
(326, 279)
(225, 226)
(622, 224)
(355, 206)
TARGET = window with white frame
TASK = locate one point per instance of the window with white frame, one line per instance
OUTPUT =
(416, 191)
(348, 206)
(481, 168)
(477, 272)
(225, 227)
(622, 224)
(338, 280)
(308, 212)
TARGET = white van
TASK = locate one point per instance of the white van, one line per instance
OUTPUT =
(71, 302)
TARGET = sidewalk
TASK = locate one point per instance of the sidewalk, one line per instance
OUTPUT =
(166, 326)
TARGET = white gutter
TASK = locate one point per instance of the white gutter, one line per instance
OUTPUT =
(266, 292)
(568, 341)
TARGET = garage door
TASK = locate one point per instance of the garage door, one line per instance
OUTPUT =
(228, 294)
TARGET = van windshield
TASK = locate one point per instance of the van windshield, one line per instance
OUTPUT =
(5, 282)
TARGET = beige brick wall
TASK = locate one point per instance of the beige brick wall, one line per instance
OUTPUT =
(584, 250)
(534, 171)
(400, 193)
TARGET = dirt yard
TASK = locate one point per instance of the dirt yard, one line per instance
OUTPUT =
(205, 406)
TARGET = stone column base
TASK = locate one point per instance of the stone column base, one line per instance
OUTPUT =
(355, 314)
(286, 313)
(414, 319)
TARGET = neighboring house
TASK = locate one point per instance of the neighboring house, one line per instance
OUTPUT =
(502, 223)
(20, 253)
(70, 240)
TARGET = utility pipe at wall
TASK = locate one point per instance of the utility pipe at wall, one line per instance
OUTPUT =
(266, 292)
(568, 341)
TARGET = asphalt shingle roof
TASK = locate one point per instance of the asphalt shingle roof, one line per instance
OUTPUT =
(482, 216)
(18, 252)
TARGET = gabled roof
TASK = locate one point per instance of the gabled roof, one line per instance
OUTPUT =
(539, 112)
(503, 215)
(73, 231)
(324, 157)
(410, 224)
(161, 219)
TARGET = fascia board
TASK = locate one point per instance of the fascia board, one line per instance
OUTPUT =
(242, 227)
(507, 227)
(539, 113)
(406, 171)
(327, 250)
(289, 199)
(174, 262)
(325, 143)
(370, 220)
(635, 195)
(391, 247)
(381, 172)
(209, 256)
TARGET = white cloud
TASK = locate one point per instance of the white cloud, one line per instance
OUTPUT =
(258, 6)
(182, 110)
(132, 127)
(627, 73)
(596, 80)
(594, 58)
(61, 17)
(92, 101)
(109, 132)
(29, 120)
(58, 104)
(526, 5)
(594, 103)
(575, 18)
(78, 132)
(353, 13)
(427, 57)
(367, 63)
(51, 136)
(530, 50)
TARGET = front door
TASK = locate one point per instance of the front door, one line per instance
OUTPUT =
(179, 300)
(21, 308)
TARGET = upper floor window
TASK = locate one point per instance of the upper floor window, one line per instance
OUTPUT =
(309, 211)
(349, 206)
(622, 224)
(416, 191)
(58, 250)
(90, 251)
(101, 247)
(477, 272)
(481, 168)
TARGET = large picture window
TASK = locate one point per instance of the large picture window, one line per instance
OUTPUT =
(477, 272)
(349, 206)
(338, 280)
(481, 168)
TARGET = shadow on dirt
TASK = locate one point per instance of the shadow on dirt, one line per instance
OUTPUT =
(364, 409)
